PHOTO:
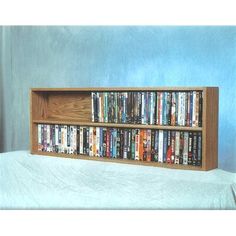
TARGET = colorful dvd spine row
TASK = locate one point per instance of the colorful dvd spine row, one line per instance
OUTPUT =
(161, 108)
(173, 147)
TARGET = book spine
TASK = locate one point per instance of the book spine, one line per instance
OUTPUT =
(173, 107)
(78, 139)
(168, 115)
(129, 144)
(125, 106)
(56, 138)
(65, 139)
(181, 147)
(164, 145)
(133, 144)
(188, 109)
(148, 145)
(142, 144)
(96, 108)
(191, 110)
(101, 102)
(156, 145)
(128, 108)
(114, 143)
(121, 143)
(108, 142)
(84, 140)
(160, 108)
(125, 144)
(194, 110)
(143, 155)
(164, 106)
(100, 141)
(190, 148)
(154, 107)
(176, 107)
(92, 103)
(169, 149)
(132, 108)
(183, 109)
(194, 149)
(147, 107)
(87, 140)
(118, 143)
(139, 115)
(97, 141)
(177, 146)
(160, 146)
(185, 151)
(39, 137)
(197, 110)
(72, 139)
(68, 139)
(81, 144)
(105, 107)
(151, 112)
(181, 113)
(62, 139)
(199, 149)
(75, 140)
(200, 109)
(104, 142)
(48, 138)
(51, 138)
(152, 145)
(157, 107)
(137, 144)
(91, 141)
(111, 142)
(179, 108)
(142, 110)
(59, 139)
(172, 147)
(116, 108)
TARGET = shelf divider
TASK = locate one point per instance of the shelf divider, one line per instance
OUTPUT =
(128, 126)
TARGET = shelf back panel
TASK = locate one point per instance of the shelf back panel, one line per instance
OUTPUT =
(69, 106)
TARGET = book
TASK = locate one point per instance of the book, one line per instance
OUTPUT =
(177, 147)
(160, 146)
(169, 148)
(185, 149)
(137, 143)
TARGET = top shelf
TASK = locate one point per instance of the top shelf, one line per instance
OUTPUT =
(102, 89)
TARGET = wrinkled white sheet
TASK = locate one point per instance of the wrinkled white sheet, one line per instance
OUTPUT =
(39, 182)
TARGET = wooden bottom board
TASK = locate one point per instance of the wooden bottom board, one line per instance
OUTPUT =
(122, 161)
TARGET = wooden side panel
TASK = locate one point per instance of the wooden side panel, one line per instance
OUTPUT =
(69, 106)
(39, 105)
(38, 110)
(210, 129)
(34, 139)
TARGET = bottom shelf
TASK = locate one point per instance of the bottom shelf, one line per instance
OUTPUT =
(122, 161)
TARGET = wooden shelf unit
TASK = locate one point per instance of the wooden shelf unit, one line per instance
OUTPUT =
(72, 106)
